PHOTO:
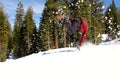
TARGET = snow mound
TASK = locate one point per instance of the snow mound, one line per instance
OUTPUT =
(113, 42)
(90, 63)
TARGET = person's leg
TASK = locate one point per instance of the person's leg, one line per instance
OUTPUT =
(82, 39)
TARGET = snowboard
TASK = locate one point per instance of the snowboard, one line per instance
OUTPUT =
(78, 47)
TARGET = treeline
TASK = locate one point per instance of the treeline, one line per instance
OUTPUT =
(26, 39)
(23, 39)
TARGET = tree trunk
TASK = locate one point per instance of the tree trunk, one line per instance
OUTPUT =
(0, 46)
(56, 34)
(95, 33)
(48, 40)
(64, 36)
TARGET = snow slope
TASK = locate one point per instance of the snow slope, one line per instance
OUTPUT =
(93, 62)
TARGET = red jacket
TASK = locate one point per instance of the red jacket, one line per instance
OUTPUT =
(83, 29)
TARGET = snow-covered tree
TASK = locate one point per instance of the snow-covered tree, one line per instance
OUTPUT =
(79, 7)
(34, 41)
(111, 22)
(96, 15)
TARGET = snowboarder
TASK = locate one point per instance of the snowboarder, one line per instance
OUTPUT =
(74, 24)
(78, 23)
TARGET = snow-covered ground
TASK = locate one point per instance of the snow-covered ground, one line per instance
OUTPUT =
(92, 62)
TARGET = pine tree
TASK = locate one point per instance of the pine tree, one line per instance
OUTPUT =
(111, 25)
(79, 7)
(27, 30)
(9, 47)
(62, 30)
(96, 15)
(46, 29)
(50, 29)
(16, 31)
(4, 34)
(118, 13)
(44, 35)
(29, 21)
(23, 45)
(34, 41)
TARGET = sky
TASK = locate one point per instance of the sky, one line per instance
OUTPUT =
(10, 7)
(37, 5)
